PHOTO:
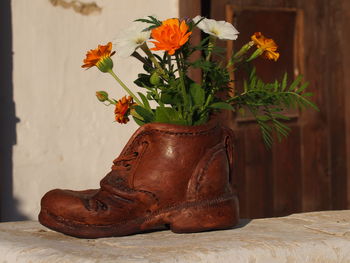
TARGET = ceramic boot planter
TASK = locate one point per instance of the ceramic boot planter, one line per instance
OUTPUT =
(166, 175)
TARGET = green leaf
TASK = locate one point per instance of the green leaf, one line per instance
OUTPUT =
(138, 121)
(241, 111)
(144, 113)
(260, 84)
(308, 94)
(251, 84)
(202, 64)
(197, 94)
(275, 86)
(145, 101)
(168, 115)
(164, 114)
(280, 116)
(245, 86)
(143, 20)
(302, 87)
(295, 83)
(252, 73)
(142, 80)
(309, 103)
(221, 105)
(151, 20)
(202, 120)
(172, 98)
(284, 82)
(263, 118)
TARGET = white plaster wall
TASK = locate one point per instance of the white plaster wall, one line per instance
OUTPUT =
(65, 137)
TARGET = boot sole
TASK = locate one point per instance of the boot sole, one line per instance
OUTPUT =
(189, 217)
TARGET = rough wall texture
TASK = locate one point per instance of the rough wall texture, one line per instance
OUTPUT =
(65, 137)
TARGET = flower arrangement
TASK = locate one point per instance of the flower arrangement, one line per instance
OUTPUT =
(181, 100)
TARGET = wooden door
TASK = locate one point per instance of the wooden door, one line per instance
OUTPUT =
(309, 170)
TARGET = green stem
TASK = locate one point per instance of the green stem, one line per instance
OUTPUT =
(149, 54)
(111, 102)
(183, 87)
(256, 54)
(141, 58)
(169, 62)
(158, 98)
(211, 45)
(237, 96)
(210, 96)
(125, 87)
(239, 55)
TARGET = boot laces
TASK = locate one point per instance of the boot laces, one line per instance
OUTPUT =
(124, 162)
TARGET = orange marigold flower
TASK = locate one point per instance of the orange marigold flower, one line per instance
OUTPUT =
(122, 109)
(100, 57)
(267, 45)
(170, 36)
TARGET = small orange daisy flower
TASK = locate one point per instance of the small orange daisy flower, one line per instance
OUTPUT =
(122, 109)
(267, 45)
(100, 57)
(170, 36)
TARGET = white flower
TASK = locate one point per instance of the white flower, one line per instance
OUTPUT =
(220, 29)
(131, 38)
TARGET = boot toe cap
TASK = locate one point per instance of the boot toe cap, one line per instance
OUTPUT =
(65, 204)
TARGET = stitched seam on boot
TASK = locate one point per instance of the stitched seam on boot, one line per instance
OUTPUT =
(205, 132)
(205, 169)
(199, 174)
(132, 190)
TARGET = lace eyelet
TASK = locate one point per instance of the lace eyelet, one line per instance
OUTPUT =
(117, 180)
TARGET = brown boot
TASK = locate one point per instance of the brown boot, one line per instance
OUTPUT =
(166, 175)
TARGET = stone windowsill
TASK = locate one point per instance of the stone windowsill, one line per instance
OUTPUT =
(308, 237)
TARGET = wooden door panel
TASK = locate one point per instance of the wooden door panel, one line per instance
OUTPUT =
(310, 170)
(287, 179)
(272, 182)
(258, 174)
(277, 182)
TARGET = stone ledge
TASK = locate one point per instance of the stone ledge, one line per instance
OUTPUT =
(308, 237)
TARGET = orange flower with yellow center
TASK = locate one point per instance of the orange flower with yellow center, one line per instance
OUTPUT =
(267, 45)
(170, 36)
(100, 57)
(122, 109)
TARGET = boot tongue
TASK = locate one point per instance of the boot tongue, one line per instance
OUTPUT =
(122, 169)
(115, 182)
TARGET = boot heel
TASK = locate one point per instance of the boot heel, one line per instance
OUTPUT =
(203, 217)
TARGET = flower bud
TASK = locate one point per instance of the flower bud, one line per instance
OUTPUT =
(105, 64)
(154, 79)
(102, 95)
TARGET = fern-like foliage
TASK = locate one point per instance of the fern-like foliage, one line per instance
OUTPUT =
(266, 101)
(154, 22)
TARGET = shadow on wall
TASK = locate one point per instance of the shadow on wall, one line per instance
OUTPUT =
(8, 120)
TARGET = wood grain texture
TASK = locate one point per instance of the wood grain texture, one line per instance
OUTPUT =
(316, 181)
(258, 174)
(344, 27)
(188, 10)
(336, 103)
(286, 174)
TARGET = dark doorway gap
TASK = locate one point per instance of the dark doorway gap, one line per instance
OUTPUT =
(8, 119)
(205, 8)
